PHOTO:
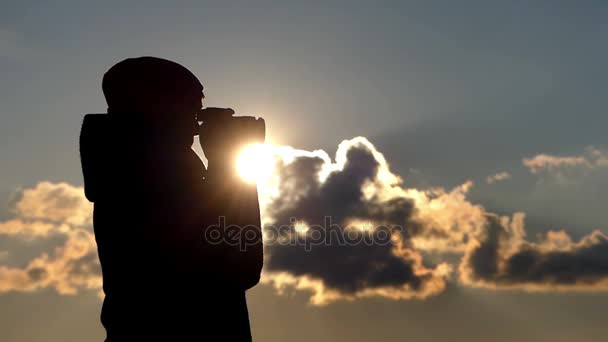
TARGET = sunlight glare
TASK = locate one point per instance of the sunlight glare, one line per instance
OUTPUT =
(255, 163)
(301, 227)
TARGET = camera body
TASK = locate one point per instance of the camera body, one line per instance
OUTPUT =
(223, 136)
(247, 129)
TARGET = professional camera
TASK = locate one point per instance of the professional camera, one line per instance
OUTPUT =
(223, 136)
(246, 129)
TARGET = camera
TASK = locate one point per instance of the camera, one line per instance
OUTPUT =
(249, 129)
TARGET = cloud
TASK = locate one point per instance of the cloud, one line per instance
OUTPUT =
(358, 187)
(592, 158)
(336, 199)
(46, 209)
(70, 268)
(30, 229)
(548, 162)
(501, 258)
(53, 209)
(55, 202)
(333, 273)
(380, 232)
(499, 177)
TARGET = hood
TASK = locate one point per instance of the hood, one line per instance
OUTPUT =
(107, 151)
(117, 157)
(94, 151)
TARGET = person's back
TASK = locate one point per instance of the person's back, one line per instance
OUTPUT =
(153, 201)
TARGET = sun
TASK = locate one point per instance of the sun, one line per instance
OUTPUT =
(255, 163)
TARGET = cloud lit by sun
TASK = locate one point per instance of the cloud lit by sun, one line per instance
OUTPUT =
(362, 225)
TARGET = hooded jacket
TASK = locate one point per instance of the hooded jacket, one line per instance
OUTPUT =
(154, 209)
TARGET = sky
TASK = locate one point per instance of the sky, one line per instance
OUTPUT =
(481, 123)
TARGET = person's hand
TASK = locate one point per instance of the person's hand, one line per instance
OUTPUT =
(222, 136)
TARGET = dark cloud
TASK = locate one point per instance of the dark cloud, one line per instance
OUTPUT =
(340, 195)
(360, 188)
(347, 260)
(502, 258)
(343, 230)
(37, 273)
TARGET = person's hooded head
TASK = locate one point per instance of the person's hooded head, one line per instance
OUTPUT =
(154, 92)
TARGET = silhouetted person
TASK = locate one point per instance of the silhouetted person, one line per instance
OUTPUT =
(154, 203)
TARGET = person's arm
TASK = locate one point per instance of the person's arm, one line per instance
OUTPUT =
(238, 256)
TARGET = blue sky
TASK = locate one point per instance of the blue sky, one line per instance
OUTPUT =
(448, 91)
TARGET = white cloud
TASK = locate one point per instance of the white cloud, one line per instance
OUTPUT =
(55, 202)
(498, 177)
(590, 159)
(53, 209)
